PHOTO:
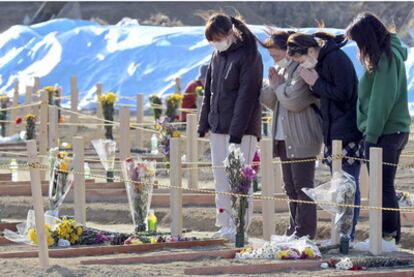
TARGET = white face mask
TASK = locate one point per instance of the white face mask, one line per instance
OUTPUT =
(221, 46)
(309, 63)
(283, 63)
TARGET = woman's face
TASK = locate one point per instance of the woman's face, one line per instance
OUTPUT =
(277, 54)
(309, 60)
(222, 42)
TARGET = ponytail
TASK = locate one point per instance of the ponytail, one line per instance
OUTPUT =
(244, 33)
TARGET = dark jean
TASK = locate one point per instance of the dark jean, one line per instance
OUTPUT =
(297, 176)
(354, 171)
(391, 145)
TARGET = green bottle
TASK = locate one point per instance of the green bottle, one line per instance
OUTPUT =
(152, 222)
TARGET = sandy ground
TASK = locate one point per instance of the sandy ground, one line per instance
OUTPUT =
(115, 216)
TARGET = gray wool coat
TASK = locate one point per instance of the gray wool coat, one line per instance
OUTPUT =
(299, 111)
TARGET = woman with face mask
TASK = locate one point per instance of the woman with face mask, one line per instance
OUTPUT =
(331, 76)
(383, 114)
(296, 130)
(231, 111)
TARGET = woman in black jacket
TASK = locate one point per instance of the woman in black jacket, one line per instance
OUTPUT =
(231, 111)
(331, 76)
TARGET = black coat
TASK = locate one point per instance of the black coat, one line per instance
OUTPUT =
(337, 88)
(231, 101)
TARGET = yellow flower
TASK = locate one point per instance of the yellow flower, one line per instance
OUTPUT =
(158, 127)
(32, 235)
(282, 254)
(79, 231)
(309, 252)
(111, 97)
(64, 167)
(49, 89)
(246, 250)
(176, 134)
(199, 88)
(30, 117)
(153, 240)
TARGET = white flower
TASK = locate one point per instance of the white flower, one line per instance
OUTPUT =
(226, 162)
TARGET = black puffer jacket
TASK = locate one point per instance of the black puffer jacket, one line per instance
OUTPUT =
(337, 88)
(231, 101)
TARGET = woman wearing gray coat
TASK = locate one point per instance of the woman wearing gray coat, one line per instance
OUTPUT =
(296, 131)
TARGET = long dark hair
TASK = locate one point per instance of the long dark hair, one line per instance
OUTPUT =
(220, 24)
(372, 38)
(277, 38)
(299, 43)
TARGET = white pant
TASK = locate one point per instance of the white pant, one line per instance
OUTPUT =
(219, 144)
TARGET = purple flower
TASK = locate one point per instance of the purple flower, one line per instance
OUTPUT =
(248, 173)
(244, 187)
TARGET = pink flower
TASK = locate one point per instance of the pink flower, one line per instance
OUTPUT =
(256, 161)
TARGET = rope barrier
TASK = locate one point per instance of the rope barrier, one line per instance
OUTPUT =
(21, 106)
(252, 196)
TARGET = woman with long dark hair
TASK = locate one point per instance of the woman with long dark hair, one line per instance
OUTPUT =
(231, 111)
(296, 130)
(331, 76)
(383, 114)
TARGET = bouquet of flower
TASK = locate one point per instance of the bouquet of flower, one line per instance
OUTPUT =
(256, 167)
(240, 177)
(106, 149)
(61, 178)
(30, 126)
(69, 230)
(54, 94)
(32, 234)
(108, 106)
(167, 131)
(341, 191)
(156, 102)
(173, 103)
(139, 176)
(405, 199)
(302, 248)
(4, 101)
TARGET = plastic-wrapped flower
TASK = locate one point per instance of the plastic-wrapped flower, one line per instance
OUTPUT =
(111, 97)
(176, 134)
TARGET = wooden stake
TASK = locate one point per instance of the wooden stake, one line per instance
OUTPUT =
(36, 88)
(99, 111)
(53, 127)
(38, 204)
(375, 200)
(336, 167)
(28, 99)
(140, 119)
(12, 127)
(268, 188)
(74, 98)
(79, 180)
(364, 181)
(178, 85)
(176, 199)
(192, 149)
(42, 137)
(124, 139)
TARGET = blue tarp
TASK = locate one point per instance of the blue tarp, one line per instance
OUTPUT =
(126, 59)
